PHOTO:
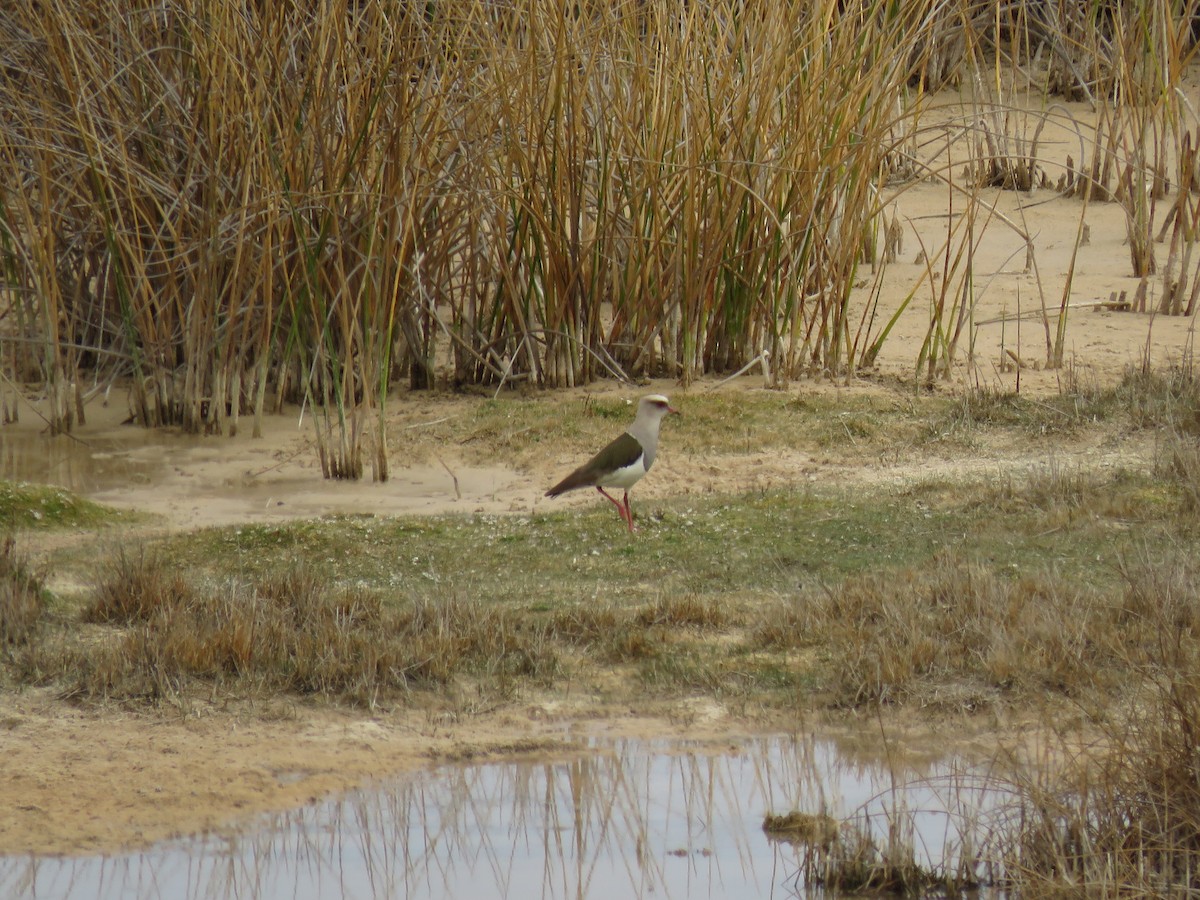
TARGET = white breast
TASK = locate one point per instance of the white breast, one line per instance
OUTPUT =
(624, 478)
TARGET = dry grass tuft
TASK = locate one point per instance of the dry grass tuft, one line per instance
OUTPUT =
(1180, 462)
(606, 632)
(954, 631)
(688, 611)
(294, 632)
(1124, 815)
(22, 597)
(1170, 402)
(648, 633)
(132, 588)
(1068, 496)
(1167, 399)
(448, 635)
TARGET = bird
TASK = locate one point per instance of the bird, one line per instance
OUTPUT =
(624, 461)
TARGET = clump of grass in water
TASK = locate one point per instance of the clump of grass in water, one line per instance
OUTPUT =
(853, 855)
(1120, 816)
(858, 862)
(803, 828)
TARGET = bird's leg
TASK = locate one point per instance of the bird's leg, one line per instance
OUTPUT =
(615, 502)
(622, 507)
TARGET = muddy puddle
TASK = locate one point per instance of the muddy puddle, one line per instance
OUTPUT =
(196, 481)
(617, 819)
(84, 466)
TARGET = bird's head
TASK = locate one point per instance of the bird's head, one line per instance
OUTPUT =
(656, 405)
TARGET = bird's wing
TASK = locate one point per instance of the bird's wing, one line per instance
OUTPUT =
(622, 452)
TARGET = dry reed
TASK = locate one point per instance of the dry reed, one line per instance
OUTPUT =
(236, 206)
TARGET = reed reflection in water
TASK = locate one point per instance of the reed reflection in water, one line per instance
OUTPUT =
(623, 819)
(88, 465)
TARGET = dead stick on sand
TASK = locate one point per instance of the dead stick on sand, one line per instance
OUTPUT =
(427, 424)
(457, 492)
(763, 359)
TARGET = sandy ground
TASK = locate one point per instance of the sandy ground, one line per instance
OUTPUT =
(79, 781)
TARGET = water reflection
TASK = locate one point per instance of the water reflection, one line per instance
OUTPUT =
(83, 465)
(627, 819)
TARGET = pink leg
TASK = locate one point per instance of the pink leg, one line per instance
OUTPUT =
(622, 508)
(615, 502)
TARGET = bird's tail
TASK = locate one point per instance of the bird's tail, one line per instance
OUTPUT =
(575, 480)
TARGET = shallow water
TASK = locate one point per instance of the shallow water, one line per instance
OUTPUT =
(196, 481)
(85, 465)
(623, 819)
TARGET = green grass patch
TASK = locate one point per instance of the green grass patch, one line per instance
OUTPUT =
(41, 506)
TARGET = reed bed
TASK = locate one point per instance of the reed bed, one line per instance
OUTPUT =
(234, 206)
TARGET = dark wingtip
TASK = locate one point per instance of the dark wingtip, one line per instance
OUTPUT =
(577, 479)
(562, 487)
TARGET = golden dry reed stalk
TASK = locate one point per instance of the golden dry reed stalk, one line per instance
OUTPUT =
(240, 205)
(237, 199)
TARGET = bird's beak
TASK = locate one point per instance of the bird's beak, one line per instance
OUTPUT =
(672, 411)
